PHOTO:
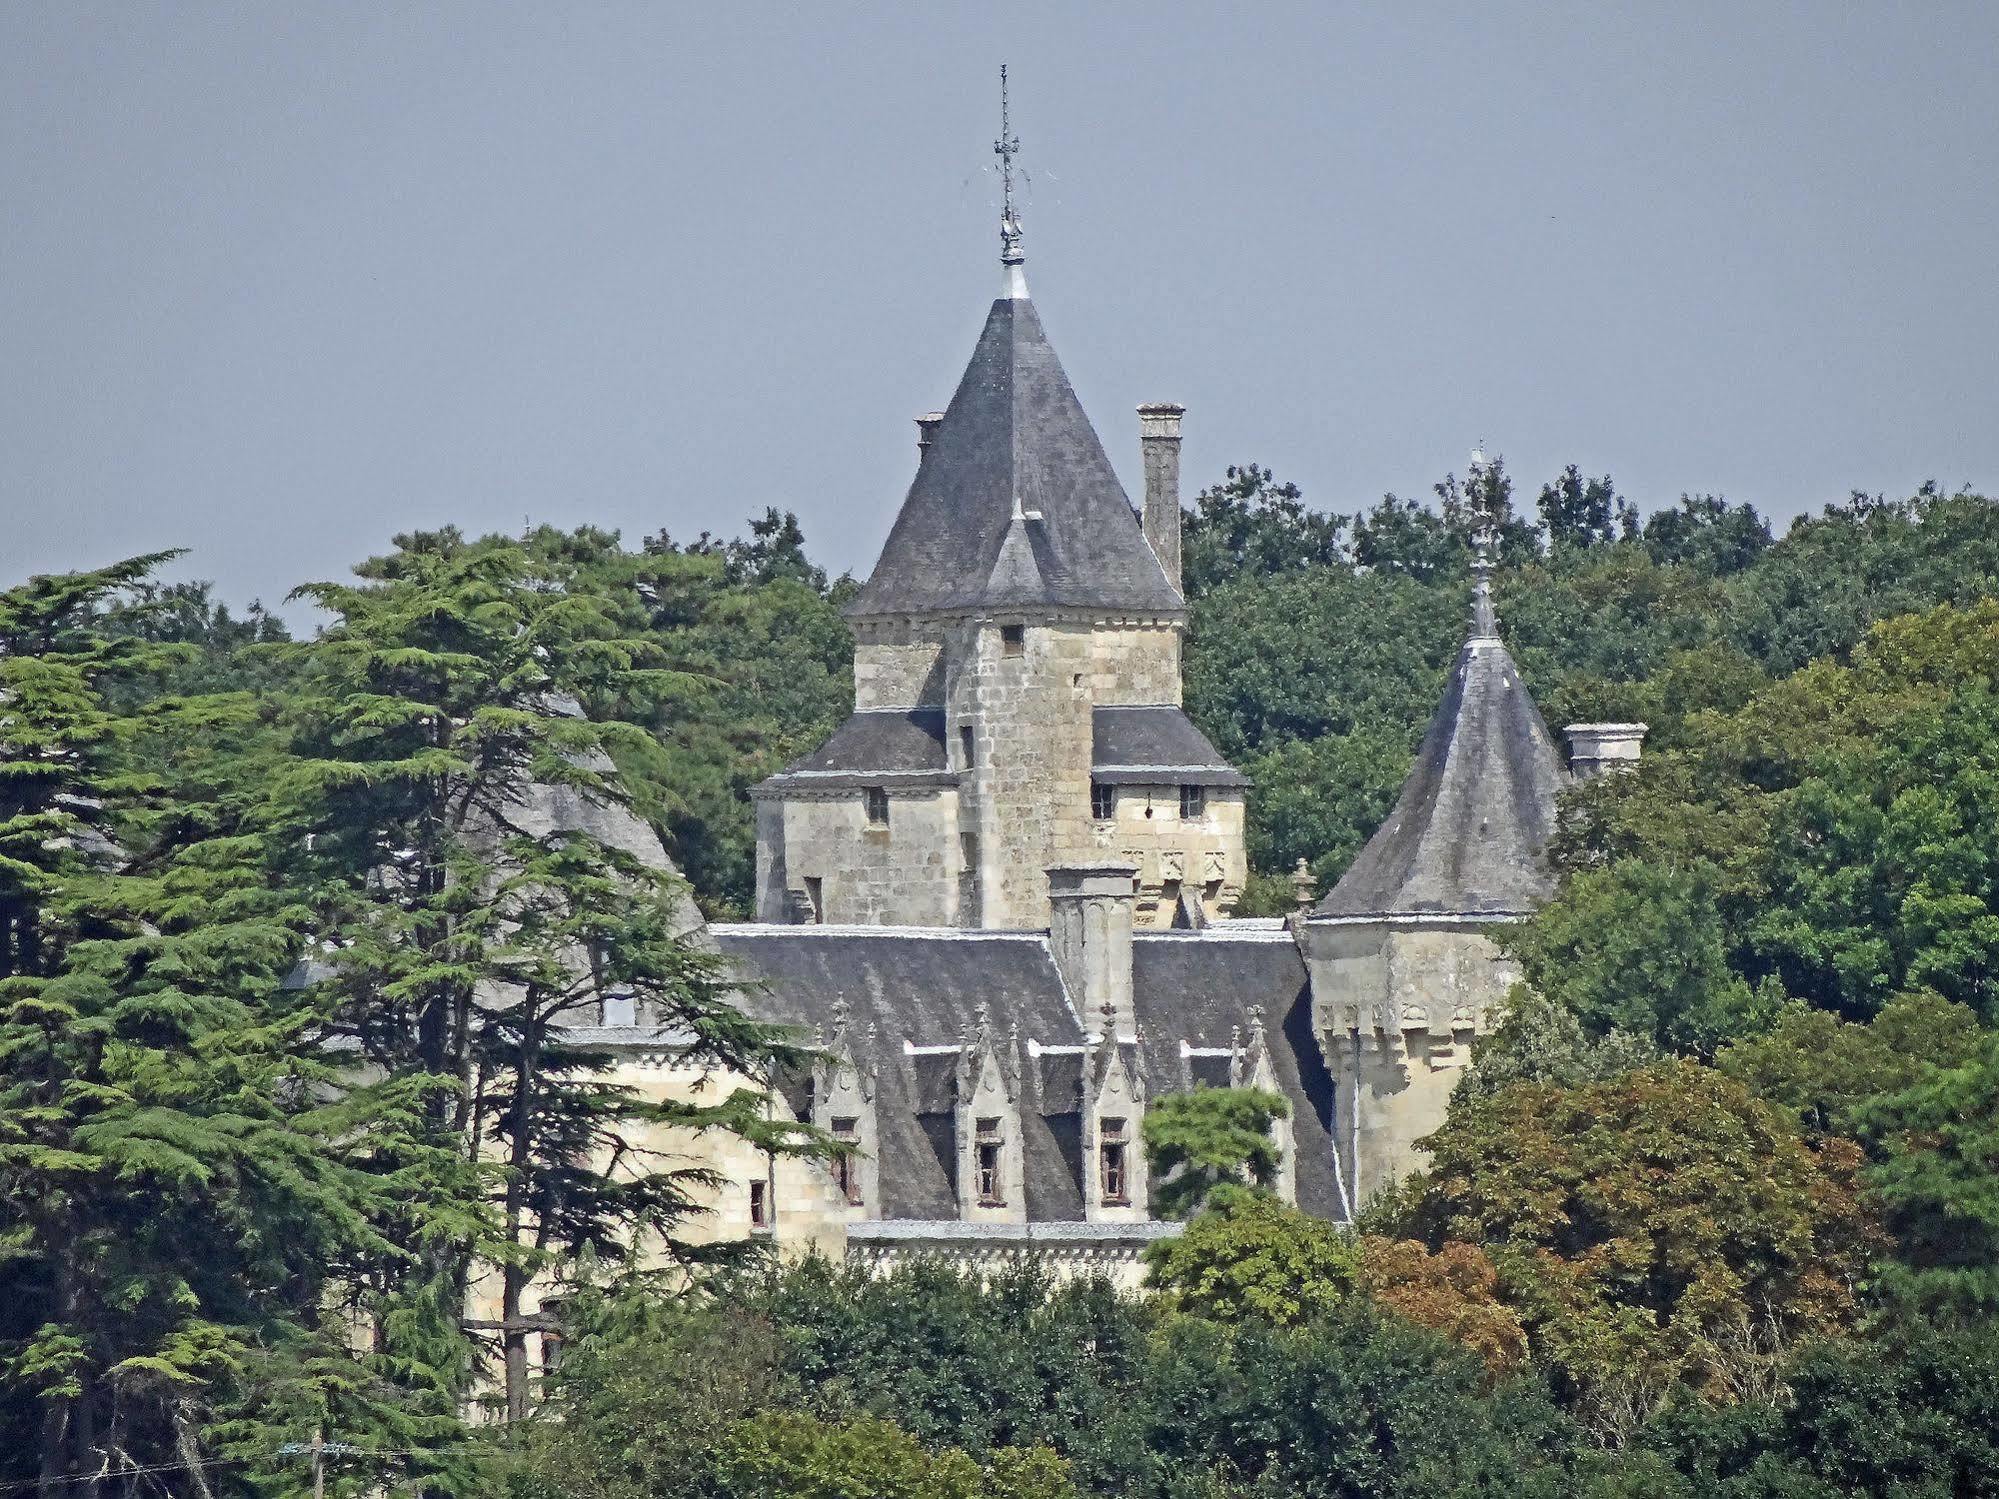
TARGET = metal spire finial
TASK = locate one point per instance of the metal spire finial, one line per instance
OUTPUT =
(1006, 148)
(1484, 617)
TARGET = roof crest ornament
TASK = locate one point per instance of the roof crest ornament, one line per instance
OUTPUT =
(1484, 616)
(1013, 280)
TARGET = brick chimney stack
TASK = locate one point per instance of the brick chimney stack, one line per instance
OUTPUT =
(1159, 436)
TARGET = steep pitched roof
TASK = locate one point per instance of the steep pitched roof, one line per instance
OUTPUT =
(1014, 443)
(875, 746)
(1468, 833)
(1160, 745)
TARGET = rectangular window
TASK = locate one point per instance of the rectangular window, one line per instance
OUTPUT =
(759, 1204)
(1112, 1148)
(967, 746)
(815, 897)
(992, 1184)
(968, 851)
(1103, 801)
(847, 1167)
(1193, 802)
(1013, 640)
(875, 800)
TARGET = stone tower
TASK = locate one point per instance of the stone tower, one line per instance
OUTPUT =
(1404, 969)
(1016, 678)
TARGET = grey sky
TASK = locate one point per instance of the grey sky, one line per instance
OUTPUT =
(276, 283)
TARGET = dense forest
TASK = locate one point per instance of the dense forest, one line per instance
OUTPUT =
(1718, 1212)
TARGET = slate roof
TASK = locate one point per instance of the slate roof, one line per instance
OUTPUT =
(875, 746)
(1015, 432)
(912, 994)
(1469, 831)
(1196, 988)
(1157, 746)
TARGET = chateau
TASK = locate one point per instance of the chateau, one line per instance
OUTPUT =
(1000, 896)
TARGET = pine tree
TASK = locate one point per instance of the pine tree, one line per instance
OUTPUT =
(166, 1197)
(468, 843)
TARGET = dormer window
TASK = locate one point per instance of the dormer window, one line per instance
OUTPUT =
(847, 1165)
(1013, 640)
(874, 801)
(989, 1147)
(1113, 1158)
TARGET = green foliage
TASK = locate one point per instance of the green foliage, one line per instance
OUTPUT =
(1200, 1140)
(1659, 1228)
(171, 1192)
(1250, 1257)
(471, 925)
(1913, 1418)
(1938, 1181)
(1013, 1361)
(1826, 1069)
(793, 1456)
(1539, 1040)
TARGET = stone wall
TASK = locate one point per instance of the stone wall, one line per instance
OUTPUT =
(1207, 856)
(1026, 796)
(1413, 992)
(904, 874)
(898, 663)
(1135, 665)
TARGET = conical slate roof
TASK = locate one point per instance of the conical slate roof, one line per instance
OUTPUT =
(1469, 831)
(1014, 504)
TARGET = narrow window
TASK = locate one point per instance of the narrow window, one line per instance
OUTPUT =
(815, 896)
(759, 1205)
(847, 1166)
(1103, 801)
(1112, 1146)
(874, 799)
(968, 850)
(1193, 802)
(967, 750)
(992, 1191)
(1013, 640)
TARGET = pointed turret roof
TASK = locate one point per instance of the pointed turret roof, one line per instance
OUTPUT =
(1469, 832)
(1014, 505)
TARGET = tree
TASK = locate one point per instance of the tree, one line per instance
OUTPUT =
(170, 1192)
(790, 1455)
(1539, 1040)
(1937, 1178)
(1250, 1256)
(480, 899)
(1199, 1140)
(1825, 1069)
(1251, 526)
(1454, 1291)
(1656, 1229)
(1577, 513)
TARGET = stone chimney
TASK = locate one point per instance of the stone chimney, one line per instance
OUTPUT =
(1159, 436)
(1089, 931)
(926, 431)
(1598, 748)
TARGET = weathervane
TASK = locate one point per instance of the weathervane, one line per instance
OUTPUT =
(1006, 148)
(1484, 617)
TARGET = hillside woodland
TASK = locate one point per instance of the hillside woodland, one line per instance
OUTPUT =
(1717, 1213)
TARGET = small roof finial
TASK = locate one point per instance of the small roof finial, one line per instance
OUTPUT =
(1006, 148)
(1484, 617)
